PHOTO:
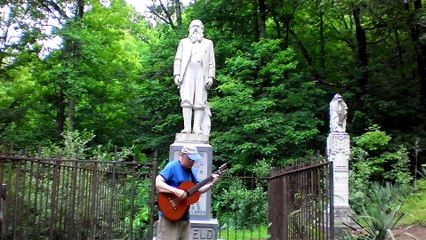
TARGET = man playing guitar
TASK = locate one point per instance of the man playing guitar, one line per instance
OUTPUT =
(167, 183)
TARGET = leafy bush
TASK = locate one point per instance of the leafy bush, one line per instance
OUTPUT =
(241, 207)
(374, 160)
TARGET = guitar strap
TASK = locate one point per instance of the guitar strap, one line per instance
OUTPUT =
(192, 176)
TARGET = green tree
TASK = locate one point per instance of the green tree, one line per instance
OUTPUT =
(279, 64)
(260, 113)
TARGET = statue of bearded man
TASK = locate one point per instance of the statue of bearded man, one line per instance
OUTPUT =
(194, 70)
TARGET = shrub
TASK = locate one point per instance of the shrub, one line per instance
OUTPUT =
(379, 214)
(374, 159)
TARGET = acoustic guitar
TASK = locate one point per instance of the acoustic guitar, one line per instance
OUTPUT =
(174, 207)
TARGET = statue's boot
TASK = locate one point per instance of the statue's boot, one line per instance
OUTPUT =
(187, 118)
(198, 118)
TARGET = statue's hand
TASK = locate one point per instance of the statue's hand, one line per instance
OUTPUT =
(209, 82)
(178, 81)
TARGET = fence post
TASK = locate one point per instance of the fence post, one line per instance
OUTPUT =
(152, 201)
(3, 189)
(93, 201)
(132, 204)
(112, 199)
(53, 206)
(331, 183)
(73, 228)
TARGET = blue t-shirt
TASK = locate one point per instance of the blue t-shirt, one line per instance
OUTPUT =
(175, 174)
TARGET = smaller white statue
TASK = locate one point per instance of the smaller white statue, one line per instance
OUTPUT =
(338, 114)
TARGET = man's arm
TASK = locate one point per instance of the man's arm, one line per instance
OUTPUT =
(209, 186)
(162, 186)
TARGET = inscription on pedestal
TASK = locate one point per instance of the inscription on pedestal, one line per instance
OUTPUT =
(206, 230)
(203, 233)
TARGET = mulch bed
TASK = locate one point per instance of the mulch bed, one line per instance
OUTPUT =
(418, 231)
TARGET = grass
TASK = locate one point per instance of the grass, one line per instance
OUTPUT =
(415, 206)
(260, 232)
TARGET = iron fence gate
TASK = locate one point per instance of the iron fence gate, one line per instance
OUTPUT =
(76, 199)
(300, 202)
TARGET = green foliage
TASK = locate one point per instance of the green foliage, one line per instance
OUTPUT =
(110, 83)
(415, 204)
(262, 168)
(155, 111)
(141, 204)
(260, 90)
(302, 227)
(373, 139)
(76, 145)
(277, 66)
(377, 224)
(374, 159)
(240, 207)
(379, 214)
(96, 68)
(258, 232)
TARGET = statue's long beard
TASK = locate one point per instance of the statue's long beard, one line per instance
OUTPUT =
(196, 36)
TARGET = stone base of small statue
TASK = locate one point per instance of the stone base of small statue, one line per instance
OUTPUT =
(191, 138)
(342, 221)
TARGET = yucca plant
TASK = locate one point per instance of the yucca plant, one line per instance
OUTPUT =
(377, 224)
(379, 215)
(374, 224)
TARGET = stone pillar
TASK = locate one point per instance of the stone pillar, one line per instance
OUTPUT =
(338, 151)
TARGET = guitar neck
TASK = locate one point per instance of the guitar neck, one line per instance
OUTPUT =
(197, 187)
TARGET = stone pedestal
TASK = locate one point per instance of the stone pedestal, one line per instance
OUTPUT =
(338, 151)
(191, 138)
(202, 224)
(342, 219)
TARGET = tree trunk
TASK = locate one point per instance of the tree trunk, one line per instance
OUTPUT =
(75, 49)
(362, 48)
(416, 31)
(322, 41)
(60, 114)
(178, 10)
(419, 30)
(261, 18)
(421, 68)
(399, 50)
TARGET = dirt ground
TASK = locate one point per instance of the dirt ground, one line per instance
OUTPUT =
(417, 231)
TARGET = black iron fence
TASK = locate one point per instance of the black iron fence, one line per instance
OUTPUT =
(300, 202)
(75, 199)
(43, 198)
